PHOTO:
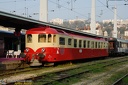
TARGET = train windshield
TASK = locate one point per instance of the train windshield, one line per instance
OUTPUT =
(46, 38)
(29, 38)
(42, 38)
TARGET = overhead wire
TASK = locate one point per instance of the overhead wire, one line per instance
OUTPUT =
(62, 5)
(68, 8)
(20, 9)
(109, 9)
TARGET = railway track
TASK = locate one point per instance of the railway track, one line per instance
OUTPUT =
(60, 76)
(12, 72)
(120, 80)
(50, 78)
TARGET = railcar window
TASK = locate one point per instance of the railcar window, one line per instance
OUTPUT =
(104, 45)
(62, 41)
(126, 45)
(29, 38)
(101, 44)
(54, 38)
(69, 41)
(92, 44)
(49, 38)
(84, 44)
(42, 38)
(75, 42)
(80, 42)
(88, 44)
(111, 45)
(96, 45)
(121, 45)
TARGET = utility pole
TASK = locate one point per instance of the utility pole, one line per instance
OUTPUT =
(93, 16)
(43, 13)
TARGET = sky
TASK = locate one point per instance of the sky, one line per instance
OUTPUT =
(67, 9)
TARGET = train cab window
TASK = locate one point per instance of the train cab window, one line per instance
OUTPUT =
(84, 44)
(80, 43)
(49, 38)
(54, 38)
(69, 41)
(75, 42)
(42, 38)
(29, 38)
(62, 41)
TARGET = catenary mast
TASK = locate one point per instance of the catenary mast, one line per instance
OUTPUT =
(115, 23)
(43, 13)
(93, 22)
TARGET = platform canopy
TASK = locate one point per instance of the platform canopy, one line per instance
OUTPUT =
(19, 22)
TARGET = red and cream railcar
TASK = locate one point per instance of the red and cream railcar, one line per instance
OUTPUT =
(45, 44)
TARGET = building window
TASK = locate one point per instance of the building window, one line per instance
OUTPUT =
(62, 41)
(42, 38)
(29, 38)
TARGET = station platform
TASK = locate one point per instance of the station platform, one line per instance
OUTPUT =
(9, 59)
(11, 63)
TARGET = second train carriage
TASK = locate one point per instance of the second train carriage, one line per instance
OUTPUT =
(45, 44)
(117, 46)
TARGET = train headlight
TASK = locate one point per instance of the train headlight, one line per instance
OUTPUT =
(43, 50)
(27, 50)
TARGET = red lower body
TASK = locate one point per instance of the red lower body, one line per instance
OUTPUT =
(64, 54)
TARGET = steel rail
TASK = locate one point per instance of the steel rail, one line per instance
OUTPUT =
(119, 81)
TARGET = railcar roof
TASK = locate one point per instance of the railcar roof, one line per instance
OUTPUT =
(46, 30)
(74, 35)
(117, 39)
(50, 30)
(122, 40)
